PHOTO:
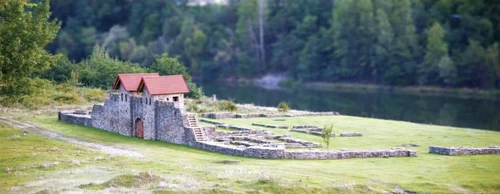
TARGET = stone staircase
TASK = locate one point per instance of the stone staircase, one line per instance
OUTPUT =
(198, 134)
(192, 122)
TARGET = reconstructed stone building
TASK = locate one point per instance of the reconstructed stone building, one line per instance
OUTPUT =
(146, 105)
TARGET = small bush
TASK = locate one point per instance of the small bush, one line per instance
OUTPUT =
(192, 107)
(283, 107)
(227, 105)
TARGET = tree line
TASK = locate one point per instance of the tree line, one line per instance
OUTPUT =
(452, 43)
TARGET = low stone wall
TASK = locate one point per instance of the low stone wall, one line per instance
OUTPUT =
(452, 151)
(281, 153)
(303, 127)
(247, 116)
(252, 152)
(227, 126)
(227, 115)
(318, 154)
(351, 134)
(77, 117)
(219, 115)
(270, 126)
(317, 131)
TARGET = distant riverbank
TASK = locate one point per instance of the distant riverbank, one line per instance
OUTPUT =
(279, 81)
(413, 90)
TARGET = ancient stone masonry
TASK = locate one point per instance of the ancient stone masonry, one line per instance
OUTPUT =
(351, 134)
(261, 144)
(263, 139)
(151, 107)
(452, 151)
(270, 126)
(170, 125)
(313, 130)
(160, 120)
(317, 154)
(309, 129)
(77, 117)
(227, 115)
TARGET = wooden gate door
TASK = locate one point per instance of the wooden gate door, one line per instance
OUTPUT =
(139, 129)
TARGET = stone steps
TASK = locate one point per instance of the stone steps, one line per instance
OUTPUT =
(198, 134)
(197, 130)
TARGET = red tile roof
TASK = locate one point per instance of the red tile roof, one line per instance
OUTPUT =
(172, 84)
(131, 81)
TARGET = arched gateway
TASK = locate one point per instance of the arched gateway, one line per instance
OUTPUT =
(139, 128)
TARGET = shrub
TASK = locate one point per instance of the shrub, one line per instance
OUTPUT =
(283, 107)
(67, 98)
(227, 105)
(192, 107)
(93, 94)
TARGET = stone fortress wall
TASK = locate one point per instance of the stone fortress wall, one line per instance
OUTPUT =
(164, 121)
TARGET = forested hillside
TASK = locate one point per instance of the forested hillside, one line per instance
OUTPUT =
(393, 42)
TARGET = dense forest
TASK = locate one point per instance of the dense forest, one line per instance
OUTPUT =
(452, 43)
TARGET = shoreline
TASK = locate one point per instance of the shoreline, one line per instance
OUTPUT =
(282, 84)
(411, 90)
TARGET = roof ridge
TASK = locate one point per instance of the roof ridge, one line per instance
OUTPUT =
(168, 84)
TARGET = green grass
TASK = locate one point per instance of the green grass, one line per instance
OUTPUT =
(201, 171)
(26, 157)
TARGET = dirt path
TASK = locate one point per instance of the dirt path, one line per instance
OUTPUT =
(103, 148)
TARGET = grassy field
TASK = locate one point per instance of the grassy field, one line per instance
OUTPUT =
(179, 168)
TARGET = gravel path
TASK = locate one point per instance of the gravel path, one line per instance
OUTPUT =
(103, 148)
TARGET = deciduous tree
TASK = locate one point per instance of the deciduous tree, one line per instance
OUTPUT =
(25, 29)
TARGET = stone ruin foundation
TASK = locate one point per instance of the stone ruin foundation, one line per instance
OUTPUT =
(275, 146)
(227, 115)
(313, 130)
(163, 121)
(453, 151)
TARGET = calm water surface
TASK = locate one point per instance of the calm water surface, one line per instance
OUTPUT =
(440, 110)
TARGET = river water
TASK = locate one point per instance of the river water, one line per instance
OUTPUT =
(439, 110)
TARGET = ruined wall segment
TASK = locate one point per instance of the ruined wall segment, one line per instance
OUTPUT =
(453, 151)
(170, 123)
(107, 116)
(77, 119)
